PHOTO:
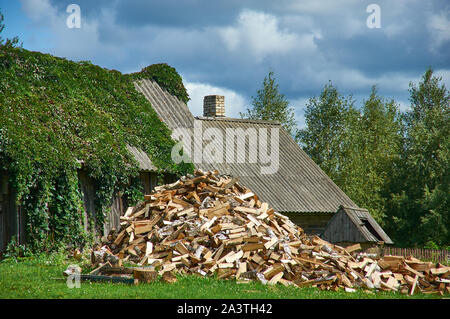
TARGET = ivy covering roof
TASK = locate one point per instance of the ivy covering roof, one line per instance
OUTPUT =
(55, 113)
(167, 78)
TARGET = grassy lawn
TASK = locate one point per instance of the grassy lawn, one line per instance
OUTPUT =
(36, 277)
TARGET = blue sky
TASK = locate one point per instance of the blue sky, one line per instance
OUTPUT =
(227, 47)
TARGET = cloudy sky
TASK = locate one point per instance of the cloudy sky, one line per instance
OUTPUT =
(228, 47)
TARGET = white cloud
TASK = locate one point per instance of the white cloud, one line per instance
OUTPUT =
(299, 106)
(445, 74)
(354, 79)
(439, 27)
(393, 30)
(404, 106)
(343, 19)
(73, 43)
(260, 34)
(40, 12)
(234, 102)
(299, 40)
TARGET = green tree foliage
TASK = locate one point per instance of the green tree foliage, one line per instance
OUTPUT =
(395, 164)
(166, 76)
(356, 148)
(270, 105)
(420, 205)
(374, 147)
(327, 119)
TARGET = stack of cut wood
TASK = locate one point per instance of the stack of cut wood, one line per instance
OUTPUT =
(208, 224)
(406, 275)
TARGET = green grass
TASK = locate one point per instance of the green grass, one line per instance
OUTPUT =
(36, 277)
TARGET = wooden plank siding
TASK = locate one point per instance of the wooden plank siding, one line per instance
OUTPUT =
(12, 219)
(342, 229)
(113, 217)
(120, 204)
(312, 223)
(87, 187)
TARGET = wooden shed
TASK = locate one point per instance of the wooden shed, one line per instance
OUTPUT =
(351, 225)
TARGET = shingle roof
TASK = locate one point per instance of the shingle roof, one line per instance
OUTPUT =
(145, 164)
(299, 185)
(169, 108)
(368, 227)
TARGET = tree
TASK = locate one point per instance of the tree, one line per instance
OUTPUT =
(6, 42)
(420, 204)
(356, 148)
(374, 147)
(327, 120)
(270, 105)
(396, 165)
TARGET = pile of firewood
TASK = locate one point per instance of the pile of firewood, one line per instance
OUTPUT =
(208, 224)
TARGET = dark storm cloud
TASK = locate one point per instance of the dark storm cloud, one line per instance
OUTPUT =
(233, 44)
(175, 13)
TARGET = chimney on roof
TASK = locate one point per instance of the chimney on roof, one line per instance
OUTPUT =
(214, 106)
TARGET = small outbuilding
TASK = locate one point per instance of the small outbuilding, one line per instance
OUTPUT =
(352, 225)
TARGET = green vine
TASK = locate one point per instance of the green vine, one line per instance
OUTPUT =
(56, 114)
(166, 76)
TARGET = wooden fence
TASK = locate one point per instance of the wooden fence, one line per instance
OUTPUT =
(435, 255)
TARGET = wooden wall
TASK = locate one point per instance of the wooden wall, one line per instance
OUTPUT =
(3, 210)
(312, 223)
(12, 219)
(120, 204)
(87, 188)
(149, 180)
(118, 207)
(342, 230)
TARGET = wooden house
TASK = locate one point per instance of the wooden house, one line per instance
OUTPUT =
(298, 187)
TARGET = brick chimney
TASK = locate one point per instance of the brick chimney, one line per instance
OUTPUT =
(214, 106)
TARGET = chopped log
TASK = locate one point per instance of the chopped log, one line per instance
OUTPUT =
(439, 271)
(353, 248)
(252, 246)
(414, 285)
(413, 271)
(274, 280)
(169, 277)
